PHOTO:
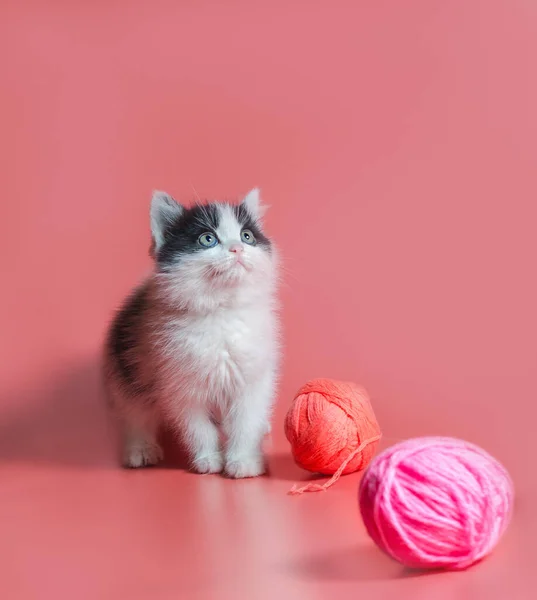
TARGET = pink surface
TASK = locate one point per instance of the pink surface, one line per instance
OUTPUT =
(395, 142)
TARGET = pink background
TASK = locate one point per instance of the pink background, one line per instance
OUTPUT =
(396, 145)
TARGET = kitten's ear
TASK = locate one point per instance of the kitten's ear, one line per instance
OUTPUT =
(164, 211)
(252, 203)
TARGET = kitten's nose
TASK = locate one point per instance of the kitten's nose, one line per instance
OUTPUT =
(236, 248)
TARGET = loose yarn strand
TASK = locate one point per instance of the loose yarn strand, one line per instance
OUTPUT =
(317, 487)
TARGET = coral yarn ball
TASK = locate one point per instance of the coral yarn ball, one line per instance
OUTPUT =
(436, 502)
(328, 422)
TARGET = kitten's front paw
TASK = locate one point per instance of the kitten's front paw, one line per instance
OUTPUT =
(142, 454)
(208, 464)
(249, 466)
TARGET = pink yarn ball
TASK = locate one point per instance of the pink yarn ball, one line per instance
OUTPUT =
(436, 502)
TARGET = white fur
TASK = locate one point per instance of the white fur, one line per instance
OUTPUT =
(208, 343)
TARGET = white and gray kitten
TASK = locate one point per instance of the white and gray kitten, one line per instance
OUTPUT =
(195, 347)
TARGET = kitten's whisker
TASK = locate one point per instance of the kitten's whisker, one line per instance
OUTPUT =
(195, 192)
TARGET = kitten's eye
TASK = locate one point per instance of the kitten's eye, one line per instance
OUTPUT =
(207, 240)
(248, 237)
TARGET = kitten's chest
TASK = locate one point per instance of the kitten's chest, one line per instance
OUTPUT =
(222, 350)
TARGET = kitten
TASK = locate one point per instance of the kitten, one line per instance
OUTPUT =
(195, 347)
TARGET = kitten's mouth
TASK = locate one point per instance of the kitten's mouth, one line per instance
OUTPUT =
(241, 264)
(233, 268)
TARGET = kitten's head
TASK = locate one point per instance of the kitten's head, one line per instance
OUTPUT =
(211, 254)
